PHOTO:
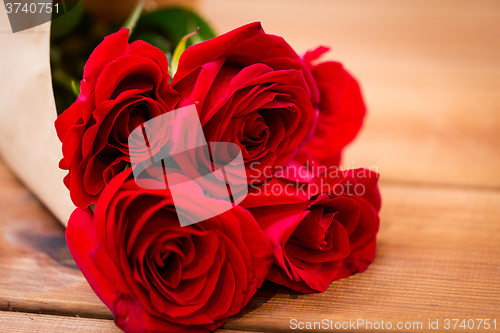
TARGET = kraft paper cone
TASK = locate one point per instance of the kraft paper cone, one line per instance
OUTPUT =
(28, 141)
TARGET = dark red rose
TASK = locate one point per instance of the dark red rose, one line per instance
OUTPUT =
(251, 89)
(123, 86)
(321, 230)
(341, 112)
(156, 276)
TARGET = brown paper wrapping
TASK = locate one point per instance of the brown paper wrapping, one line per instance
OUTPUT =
(28, 141)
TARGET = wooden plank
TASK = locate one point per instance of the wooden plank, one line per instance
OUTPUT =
(20, 322)
(430, 73)
(438, 257)
(23, 322)
(222, 330)
(37, 272)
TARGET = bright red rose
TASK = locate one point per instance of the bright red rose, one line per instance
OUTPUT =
(123, 86)
(156, 276)
(321, 230)
(251, 89)
(341, 112)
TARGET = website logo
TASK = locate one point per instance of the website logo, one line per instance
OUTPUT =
(26, 14)
(173, 147)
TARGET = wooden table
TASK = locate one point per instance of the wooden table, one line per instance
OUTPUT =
(430, 72)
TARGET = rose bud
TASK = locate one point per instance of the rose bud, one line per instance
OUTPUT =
(156, 276)
(321, 230)
(123, 86)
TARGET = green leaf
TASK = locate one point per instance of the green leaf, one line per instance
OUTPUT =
(64, 24)
(178, 51)
(174, 23)
(75, 87)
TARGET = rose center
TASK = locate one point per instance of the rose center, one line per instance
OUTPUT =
(255, 135)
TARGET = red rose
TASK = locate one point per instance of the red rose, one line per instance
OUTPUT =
(341, 112)
(322, 230)
(123, 86)
(156, 276)
(251, 89)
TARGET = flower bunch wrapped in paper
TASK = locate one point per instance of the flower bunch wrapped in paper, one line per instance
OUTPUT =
(199, 173)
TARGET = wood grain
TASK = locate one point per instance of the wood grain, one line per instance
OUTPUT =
(23, 322)
(37, 273)
(19, 322)
(438, 257)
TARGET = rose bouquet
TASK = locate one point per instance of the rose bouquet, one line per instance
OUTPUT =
(200, 173)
